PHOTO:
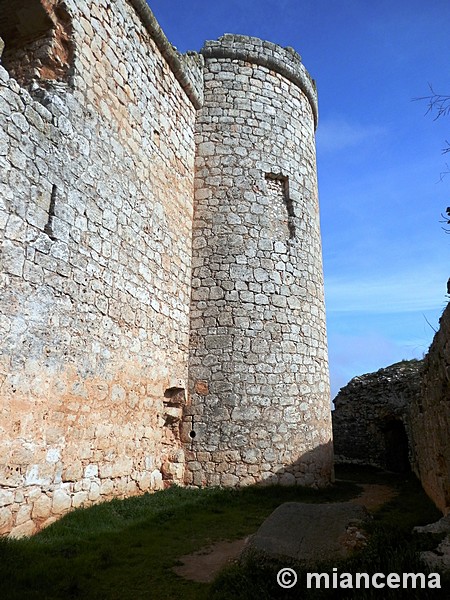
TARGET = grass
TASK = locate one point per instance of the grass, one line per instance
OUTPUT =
(126, 549)
(392, 548)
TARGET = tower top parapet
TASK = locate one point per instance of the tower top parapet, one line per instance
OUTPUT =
(285, 61)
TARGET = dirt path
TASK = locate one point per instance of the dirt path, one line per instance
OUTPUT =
(204, 565)
(374, 495)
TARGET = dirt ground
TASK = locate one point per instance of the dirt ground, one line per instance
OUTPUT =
(204, 565)
(374, 495)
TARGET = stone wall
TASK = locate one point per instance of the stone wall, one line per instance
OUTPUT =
(402, 412)
(258, 363)
(371, 418)
(38, 36)
(96, 204)
(430, 419)
(104, 149)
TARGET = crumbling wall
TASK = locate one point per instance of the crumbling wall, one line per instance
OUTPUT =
(371, 418)
(430, 419)
(97, 164)
(96, 202)
(38, 40)
(415, 394)
(259, 382)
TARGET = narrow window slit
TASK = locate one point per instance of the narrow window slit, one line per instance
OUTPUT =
(291, 217)
(48, 229)
(281, 208)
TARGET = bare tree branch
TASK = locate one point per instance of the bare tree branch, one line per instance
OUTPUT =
(440, 104)
(435, 330)
(437, 103)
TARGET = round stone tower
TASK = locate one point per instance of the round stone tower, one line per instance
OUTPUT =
(259, 385)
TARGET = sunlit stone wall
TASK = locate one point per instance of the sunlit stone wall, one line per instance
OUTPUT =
(259, 384)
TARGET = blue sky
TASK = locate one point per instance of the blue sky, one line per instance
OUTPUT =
(379, 157)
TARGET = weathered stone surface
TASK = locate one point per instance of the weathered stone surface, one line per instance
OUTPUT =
(371, 417)
(430, 419)
(400, 417)
(257, 357)
(79, 499)
(441, 526)
(309, 533)
(42, 508)
(23, 530)
(61, 502)
(96, 211)
(6, 520)
(438, 559)
(101, 142)
(23, 514)
(6, 497)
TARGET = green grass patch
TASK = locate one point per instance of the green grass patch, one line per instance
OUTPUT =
(392, 548)
(126, 548)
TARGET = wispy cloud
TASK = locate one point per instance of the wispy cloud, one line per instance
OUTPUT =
(403, 292)
(338, 134)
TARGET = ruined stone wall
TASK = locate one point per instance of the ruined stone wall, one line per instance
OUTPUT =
(96, 202)
(38, 36)
(415, 394)
(258, 363)
(371, 422)
(97, 163)
(430, 419)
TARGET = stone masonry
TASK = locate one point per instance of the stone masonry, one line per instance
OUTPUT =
(399, 417)
(371, 422)
(258, 355)
(124, 191)
(430, 419)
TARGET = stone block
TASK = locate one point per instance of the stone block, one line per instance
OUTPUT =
(157, 480)
(73, 471)
(106, 487)
(6, 520)
(144, 481)
(229, 480)
(94, 492)
(13, 257)
(213, 342)
(61, 502)
(6, 497)
(251, 456)
(308, 533)
(80, 499)
(23, 514)
(42, 507)
(91, 471)
(25, 529)
(122, 466)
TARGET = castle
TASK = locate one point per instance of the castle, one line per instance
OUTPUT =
(162, 315)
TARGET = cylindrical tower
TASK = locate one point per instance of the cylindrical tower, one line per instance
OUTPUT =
(259, 385)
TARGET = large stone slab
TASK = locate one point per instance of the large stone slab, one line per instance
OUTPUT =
(439, 558)
(310, 533)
